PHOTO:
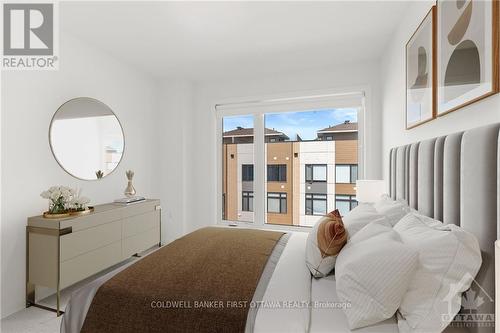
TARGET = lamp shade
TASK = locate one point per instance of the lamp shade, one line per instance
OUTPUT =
(369, 190)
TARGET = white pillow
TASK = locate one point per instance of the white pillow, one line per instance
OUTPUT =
(426, 219)
(359, 217)
(449, 258)
(373, 271)
(393, 210)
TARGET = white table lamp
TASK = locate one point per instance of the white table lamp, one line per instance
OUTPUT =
(369, 190)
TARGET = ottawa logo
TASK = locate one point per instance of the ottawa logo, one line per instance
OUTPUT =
(477, 306)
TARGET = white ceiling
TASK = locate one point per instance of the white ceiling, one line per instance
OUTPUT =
(213, 40)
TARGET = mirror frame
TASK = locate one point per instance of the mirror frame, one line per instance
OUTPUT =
(50, 135)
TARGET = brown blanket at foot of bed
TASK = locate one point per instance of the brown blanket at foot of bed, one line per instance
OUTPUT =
(202, 282)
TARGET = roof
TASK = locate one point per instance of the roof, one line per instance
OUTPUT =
(240, 131)
(346, 126)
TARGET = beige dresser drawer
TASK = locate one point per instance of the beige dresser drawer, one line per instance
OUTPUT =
(140, 242)
(138, 209)
(80, 242)
(87, 264)
(92, 220)
(139, 223)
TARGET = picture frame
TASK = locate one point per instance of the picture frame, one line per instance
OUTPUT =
(421, 72)
(467, 52)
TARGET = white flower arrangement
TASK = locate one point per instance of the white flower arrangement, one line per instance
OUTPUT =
(79, 203)
(63, 199)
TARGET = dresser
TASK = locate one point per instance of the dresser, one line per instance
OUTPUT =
(61, 252)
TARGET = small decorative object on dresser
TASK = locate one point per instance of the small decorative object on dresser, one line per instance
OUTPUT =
(65, 201)
(130, 190)
(78, 205)
(59, 197)
(61, 252)
(129, 200)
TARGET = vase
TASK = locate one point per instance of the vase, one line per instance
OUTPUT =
(130, 190)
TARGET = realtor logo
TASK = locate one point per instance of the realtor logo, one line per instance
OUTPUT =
(28, 29)
(29, 36)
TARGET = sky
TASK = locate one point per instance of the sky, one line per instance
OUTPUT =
(304, 123)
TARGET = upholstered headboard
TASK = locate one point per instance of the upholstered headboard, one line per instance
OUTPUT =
(456, 179)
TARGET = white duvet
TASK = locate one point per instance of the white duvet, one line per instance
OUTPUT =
(285, 302)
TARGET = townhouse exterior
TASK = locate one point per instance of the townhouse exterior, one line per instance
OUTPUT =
(305, 179)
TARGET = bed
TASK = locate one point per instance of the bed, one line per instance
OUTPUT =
(452, 179)
(284, 307)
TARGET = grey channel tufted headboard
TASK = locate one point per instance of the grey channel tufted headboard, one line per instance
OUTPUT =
(456, 179)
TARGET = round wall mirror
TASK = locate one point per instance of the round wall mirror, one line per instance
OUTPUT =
(86, 138)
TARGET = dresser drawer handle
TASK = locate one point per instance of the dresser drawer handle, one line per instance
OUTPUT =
(65, 231)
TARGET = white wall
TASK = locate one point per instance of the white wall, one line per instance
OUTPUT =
(393, 95)
(202, 190)
(175, 138)
(29, 100)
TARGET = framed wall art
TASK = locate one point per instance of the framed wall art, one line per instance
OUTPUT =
(421, 72)
(467, 52)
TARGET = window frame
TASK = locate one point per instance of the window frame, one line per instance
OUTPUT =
(351, 199)
(247, 195)
(243, 173)
(351, 167)
(282, 197)
(282, 178)
(312, 180)
(359, 97)
(312, 199)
